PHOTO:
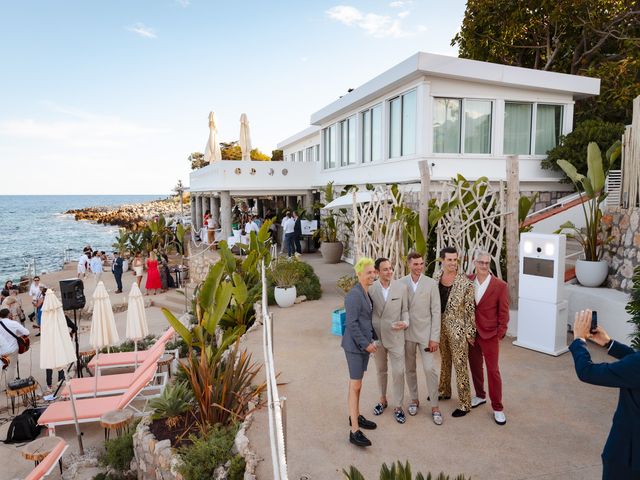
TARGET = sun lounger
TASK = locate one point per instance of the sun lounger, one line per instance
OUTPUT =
(45, 466)
(91, 409)
(117, 384)
(127, 359)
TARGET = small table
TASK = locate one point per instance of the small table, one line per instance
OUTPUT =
(165, 361)
(117, 420)
(86, 354)
(40, 448)
(28, 395)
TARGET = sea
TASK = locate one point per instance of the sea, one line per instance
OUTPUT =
(36, 234)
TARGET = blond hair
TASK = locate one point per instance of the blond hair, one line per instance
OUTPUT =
(362, 263)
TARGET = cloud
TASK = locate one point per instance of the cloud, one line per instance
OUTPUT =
(401, 4)
(376, 25)
(142, 30)
(183, 3)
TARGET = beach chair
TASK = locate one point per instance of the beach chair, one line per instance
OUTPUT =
(45, 467)
(90, 410)
(105, 361)
(117, 384)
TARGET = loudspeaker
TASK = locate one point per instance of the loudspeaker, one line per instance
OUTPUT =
(72, 291)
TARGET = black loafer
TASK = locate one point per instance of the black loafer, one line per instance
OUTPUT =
(459, 413)
(359, 439)
(440, 397)
(364, 423)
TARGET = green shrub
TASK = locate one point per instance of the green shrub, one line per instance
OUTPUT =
(119, 451)
(208, 452)
(237, 468)
(573, 147)
(398, 471)
(308, 283)
(285, 272)
(176, 399)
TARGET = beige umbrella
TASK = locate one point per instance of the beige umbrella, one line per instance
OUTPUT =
(103, 325)
(56, 348)
(212, 152)
(136, 318)
(245, 137)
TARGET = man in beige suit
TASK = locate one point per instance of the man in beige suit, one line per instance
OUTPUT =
(423, 333)
(390, 319)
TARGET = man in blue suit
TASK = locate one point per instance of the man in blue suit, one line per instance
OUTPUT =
(117, 268)
(621, 454)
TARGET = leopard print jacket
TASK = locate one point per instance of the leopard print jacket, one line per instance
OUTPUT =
(459, 318)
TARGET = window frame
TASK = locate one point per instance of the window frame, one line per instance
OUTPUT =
(400, 98)
(461, 140)
(534, 121)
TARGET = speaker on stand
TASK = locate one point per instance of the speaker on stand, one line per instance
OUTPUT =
(72, 292)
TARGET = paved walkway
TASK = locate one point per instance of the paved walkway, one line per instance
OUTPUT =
(556, 426)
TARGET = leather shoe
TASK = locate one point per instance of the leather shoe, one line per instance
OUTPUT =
(364, 423)
(499, 417)
(477, 401)
(457, 413)
(359, 439)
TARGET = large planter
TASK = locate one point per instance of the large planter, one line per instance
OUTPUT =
(285, 297)
(331, 251)
(591, 274)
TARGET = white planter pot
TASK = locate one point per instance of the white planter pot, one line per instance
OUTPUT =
(285, 297)
(591, 274)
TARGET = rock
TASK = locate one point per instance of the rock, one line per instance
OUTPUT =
(300, 299)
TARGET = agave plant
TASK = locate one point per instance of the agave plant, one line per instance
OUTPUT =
(398, 471)
(176, 400)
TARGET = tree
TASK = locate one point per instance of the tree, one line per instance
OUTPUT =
(277, 155)
(580, 37)
(258, 155)
(197, 160)
(231, 151)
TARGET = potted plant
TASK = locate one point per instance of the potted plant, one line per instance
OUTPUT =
(339, 315)
(591, 271)
(331, 247)
(285, 274)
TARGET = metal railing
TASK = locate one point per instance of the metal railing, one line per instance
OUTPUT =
(275, 403)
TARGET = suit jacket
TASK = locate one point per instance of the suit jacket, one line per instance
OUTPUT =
(492, 313)
(424, 310)
(385, 313)
(623, 444)
(358, 331)
(459, 318)
(117, 265)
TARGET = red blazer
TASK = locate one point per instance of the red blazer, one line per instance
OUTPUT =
(492, 313)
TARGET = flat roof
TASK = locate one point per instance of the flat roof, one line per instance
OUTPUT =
(429, 64)
(307, 132)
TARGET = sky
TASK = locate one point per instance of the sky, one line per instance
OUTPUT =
(111, 97)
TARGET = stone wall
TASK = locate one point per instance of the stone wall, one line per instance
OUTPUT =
(545, 199)
(200, 260)
(623, 253)
(154, 460)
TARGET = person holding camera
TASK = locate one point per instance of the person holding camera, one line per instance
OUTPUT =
(9, 330)
(621, 454)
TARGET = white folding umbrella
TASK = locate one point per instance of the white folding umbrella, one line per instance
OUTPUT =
(212, 152)
(103, 325)
(56, 347)
(136, 318)
(245, 137)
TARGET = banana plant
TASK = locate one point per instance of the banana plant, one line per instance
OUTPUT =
(121, 241)
(594, 237)
(524, 207)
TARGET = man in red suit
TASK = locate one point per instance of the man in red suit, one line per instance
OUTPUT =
(492, 317)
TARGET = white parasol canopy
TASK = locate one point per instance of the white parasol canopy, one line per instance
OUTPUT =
(103, 325)
(346, 201)
(245, 137)
(136, 317)
(212, 152)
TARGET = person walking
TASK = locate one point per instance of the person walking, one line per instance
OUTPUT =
(83, 264)
(297, 233)
(458, 328)
(423, 334)
(95, 264)
(116, 269)
(621, 454)
(9, 330)
(390, 319)
(288, 228)
(358, 343)
(492, 318)
(153, 274)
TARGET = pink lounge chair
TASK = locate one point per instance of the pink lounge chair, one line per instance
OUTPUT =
(45, 466)
(128, 359)
(116, 384)
(91, 409)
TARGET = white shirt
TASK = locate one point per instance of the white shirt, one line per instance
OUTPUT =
(251, 227)
(34, 291)
(288, 224)
(414, 285)
(480, 288)
(82, 263)
(96, 264)
(16, 328)
(385, 291)
(5, 346)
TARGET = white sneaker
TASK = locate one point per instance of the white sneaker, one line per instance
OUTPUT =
(477, 401)
(499, 417)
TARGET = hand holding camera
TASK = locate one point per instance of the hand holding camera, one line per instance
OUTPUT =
(586, 326)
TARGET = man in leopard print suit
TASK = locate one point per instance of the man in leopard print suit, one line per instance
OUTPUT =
(458, 328)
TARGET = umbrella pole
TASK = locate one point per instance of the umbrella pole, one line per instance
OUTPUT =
(75, 418)
(135, 349)
(95, 390)
(78, 359)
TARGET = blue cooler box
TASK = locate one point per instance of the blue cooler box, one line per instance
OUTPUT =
(338, 318)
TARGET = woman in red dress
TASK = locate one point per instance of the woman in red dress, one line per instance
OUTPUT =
(153, 274)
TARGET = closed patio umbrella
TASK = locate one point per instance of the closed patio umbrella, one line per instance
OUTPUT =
(136, 318)
(245, 137)
(103, 325)
(56, 348)
(212, 152)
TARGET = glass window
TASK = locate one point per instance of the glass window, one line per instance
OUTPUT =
(300, 155)
(517, 128)
(329, 139)
(446, 125)
(317, 155)
(409, 123)
(351, 159)
(344, 142)
(376, 133)
(309, 154)
(366, 136)
(548, 127)
(395, 128)
(292, 157)
(477, 126)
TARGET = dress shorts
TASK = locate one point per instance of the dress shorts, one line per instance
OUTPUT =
(357, 363)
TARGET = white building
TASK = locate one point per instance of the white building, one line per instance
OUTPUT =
(463, 116)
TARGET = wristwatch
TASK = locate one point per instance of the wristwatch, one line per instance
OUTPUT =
(608, 344)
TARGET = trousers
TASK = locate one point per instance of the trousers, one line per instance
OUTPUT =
(429, 368)
(454, 351)
(383, 357)
(487, 349)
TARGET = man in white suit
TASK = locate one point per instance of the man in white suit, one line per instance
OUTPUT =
(423, 333)
(390, 319)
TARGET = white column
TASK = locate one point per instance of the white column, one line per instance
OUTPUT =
(192, 203)
(197, 222)
(225, 214)
(308, 202)
(215, 209)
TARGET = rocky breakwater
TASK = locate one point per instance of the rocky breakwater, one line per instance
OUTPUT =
(130, 216)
